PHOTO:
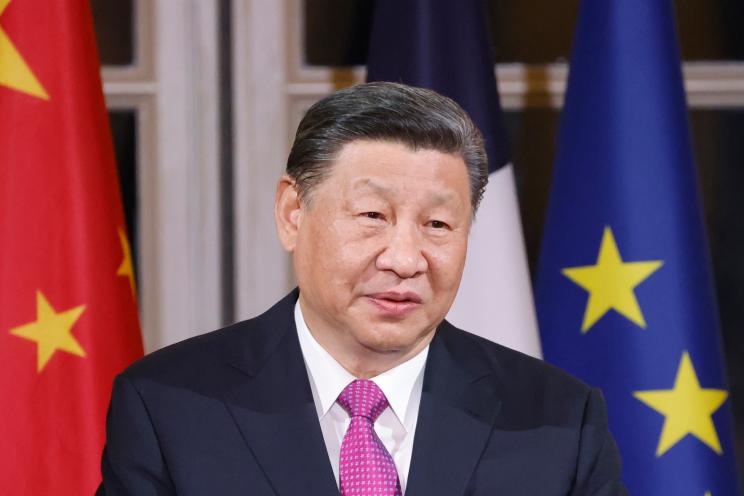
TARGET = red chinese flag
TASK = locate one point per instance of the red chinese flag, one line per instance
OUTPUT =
(68, 315)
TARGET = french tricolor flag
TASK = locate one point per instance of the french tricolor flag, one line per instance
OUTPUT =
(443, 45)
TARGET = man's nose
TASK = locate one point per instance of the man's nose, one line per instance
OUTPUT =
(403, 253)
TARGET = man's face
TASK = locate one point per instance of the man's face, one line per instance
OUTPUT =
(380, 245)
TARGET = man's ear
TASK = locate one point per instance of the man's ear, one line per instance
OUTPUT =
(287, 212)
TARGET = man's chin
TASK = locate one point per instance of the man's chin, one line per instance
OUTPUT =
(394, 339)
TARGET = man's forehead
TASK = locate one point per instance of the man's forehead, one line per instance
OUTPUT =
(389, 152)
(377, 187)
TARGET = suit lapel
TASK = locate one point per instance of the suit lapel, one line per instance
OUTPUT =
(456, 417)
(270, 400)
(272, 405)
(289, 448)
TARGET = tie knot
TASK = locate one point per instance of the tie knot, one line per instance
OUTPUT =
(363, 398)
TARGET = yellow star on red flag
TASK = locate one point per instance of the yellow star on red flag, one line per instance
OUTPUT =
(126, 268)
(14, 71)
(611, 283)
(51, 331)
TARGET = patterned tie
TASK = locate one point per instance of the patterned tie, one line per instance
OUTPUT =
(366, 468)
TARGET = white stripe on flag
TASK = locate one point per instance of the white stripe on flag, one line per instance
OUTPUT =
(495, 296)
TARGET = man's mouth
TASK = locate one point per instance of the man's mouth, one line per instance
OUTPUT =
(394, 303)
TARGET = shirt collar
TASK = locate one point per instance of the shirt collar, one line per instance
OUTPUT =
(398, 385)
(328, 377)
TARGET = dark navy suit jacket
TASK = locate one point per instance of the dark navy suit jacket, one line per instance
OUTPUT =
(231, 412)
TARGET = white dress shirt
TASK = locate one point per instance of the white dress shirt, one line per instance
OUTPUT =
(401, 385)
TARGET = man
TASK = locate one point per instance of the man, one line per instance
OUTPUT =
(355, 383)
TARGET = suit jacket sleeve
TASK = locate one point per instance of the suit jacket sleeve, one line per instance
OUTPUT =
(598, 468)
(132, 461)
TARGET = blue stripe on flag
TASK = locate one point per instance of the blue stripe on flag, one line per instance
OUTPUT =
(441, 45)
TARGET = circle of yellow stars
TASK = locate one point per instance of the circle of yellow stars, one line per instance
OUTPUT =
(687, 407)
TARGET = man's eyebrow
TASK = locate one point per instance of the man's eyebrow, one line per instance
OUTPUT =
(438, 197)
(367, 183)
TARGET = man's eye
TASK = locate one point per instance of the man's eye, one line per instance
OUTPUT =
(438, 224)
(373, 215)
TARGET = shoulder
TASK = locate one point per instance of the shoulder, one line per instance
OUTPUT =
(529, 386)
(507, 363)
(545, 416)
(242, 342)
(190, 354)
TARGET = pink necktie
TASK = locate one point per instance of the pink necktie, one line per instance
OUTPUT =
(366, 468)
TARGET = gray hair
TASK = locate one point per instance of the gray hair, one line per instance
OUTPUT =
(419, 118)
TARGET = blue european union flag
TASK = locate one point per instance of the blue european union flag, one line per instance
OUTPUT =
(624, 293)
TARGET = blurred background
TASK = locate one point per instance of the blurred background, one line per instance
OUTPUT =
(204, 97)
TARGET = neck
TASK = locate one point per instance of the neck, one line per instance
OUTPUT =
(371, 364)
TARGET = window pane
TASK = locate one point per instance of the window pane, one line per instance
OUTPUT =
(114, 27)
(532, 134)
(528, 31)
(719, 152)
(124, 131)
(538, 32)
(337, 32)
(711, 30)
